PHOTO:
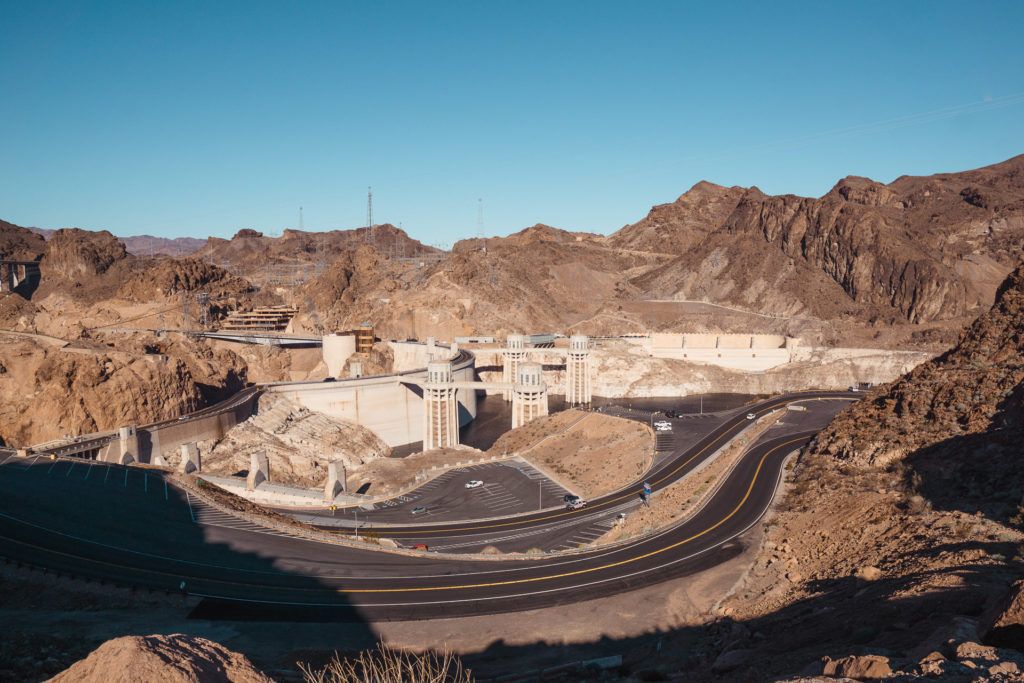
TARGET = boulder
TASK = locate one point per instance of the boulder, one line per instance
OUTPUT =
(860, 667)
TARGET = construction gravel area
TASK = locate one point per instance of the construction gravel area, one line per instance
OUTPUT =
(589, 453)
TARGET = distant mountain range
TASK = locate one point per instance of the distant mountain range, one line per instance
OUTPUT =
(148, 245)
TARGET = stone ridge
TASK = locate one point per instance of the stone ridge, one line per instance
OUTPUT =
(974, 388)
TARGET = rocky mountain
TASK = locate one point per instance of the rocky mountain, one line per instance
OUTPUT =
(917, 249)
(900, 531)
(168, 278)
(250, 249)
(541, 278)
(74, 254)
(19, 244)
(678, 227)
(148, 245)
(960, 412)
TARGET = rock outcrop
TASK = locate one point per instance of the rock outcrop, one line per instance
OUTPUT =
(974, 388)
(48, 392)
(168, 278)
(73, 254)
(20, 244)
(175, 658)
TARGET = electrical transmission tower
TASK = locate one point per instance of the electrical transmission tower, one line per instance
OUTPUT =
(203, 299)
(302, 225)
(480, 219)
(369, 213)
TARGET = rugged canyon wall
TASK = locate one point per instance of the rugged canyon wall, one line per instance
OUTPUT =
(900, 530)
(919, 249)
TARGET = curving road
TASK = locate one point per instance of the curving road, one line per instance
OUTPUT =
(556, 527)
(130, 526)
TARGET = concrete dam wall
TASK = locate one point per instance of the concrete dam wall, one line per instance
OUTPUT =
(388, 405)
(749, 352)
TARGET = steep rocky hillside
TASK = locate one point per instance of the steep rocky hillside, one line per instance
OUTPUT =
(919, 249)
(167, 278)
(538, 279)
(974, 388)
(19, 244)
(678, 227)
(900, 534)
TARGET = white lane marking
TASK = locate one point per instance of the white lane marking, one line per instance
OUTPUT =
(540, 592)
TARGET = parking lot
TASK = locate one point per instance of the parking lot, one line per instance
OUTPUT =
(509, 487)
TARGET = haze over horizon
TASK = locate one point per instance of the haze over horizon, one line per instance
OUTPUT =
(190, 120)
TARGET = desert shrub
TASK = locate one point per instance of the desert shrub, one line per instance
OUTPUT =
(386, 664)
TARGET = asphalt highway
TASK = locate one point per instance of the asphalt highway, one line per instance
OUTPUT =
(555, 528)
(130, 526)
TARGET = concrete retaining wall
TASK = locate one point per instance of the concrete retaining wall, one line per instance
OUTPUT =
(168, 438)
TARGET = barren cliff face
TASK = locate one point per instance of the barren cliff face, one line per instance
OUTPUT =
(975, 388)
(919, 249)
(72, 254)
(47, 392)
(901, 526)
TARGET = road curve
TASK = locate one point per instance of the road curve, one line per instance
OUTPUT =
(680, 463)
(152, 540)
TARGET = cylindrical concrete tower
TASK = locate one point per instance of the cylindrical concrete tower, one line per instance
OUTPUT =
(336, 349)
(515, 352)
(440, 409)
(577, 370)
(530, 396)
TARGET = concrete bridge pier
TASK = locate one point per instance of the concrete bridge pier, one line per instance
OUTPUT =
(336, 478)
(515, 353)
(440, 409)
(259, 470)
(127, 449)
(577, 370)
(190, 461)
(530, 395)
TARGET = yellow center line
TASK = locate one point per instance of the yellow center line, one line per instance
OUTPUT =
(589, 570)
(510, 582)
(384, 531)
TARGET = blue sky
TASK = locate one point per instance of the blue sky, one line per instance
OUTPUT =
(199, 118)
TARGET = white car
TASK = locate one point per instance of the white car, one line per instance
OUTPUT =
(663, 426)
(751, 416)
(474, 484)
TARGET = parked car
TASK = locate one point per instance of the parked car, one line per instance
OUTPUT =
(421, 546)
(751, 416)
(474, 484)
(418, 510)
